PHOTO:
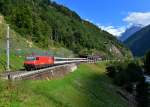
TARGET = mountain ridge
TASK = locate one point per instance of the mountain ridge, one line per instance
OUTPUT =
(129, 32)
(139, 42)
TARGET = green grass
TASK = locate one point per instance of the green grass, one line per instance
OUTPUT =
(86, 87)
(16, 62)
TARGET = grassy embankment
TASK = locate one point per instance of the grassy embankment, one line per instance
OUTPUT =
(86, 87)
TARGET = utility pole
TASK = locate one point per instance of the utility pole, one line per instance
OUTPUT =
(7, 49)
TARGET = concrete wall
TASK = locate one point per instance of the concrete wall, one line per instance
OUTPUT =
(52, 73)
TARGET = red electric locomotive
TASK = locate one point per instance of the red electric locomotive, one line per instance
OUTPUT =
(38, 62)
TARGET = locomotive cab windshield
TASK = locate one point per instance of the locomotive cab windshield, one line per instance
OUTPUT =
(30, 58)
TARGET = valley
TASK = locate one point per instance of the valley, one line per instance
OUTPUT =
(61, 54)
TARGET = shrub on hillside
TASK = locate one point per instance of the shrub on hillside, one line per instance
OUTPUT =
(147, 63)
(125, 74)
(142, 93)
(111, 71)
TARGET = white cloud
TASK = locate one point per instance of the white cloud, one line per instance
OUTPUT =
(133, 18)
(138, 18)
(116, 31)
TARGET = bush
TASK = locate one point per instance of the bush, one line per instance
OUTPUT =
(111, 71)
(142, 93)
(147, 63)
(125, 74)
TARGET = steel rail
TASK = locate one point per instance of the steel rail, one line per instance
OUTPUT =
(57, 65)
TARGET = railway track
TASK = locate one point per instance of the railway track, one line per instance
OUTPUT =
(20, 74)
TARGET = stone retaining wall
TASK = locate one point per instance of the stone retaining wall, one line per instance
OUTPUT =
(53, 73)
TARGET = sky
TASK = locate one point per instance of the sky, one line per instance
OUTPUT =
(114, 16)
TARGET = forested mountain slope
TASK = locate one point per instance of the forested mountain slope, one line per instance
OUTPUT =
(48, 24)
(21, 47)
(139, 43)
